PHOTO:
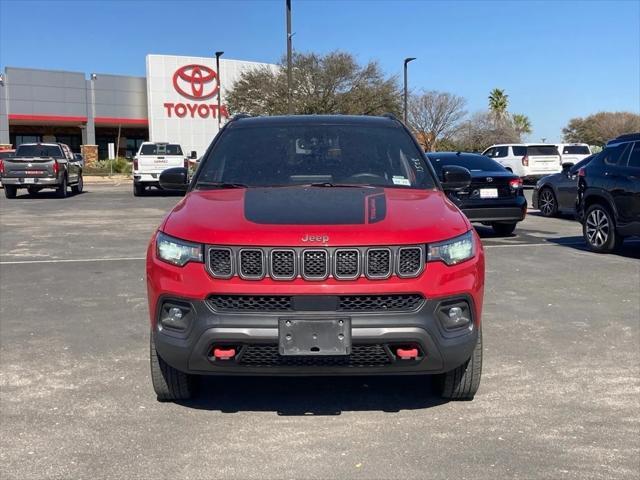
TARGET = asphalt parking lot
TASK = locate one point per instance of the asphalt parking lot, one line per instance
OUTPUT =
(560, 394)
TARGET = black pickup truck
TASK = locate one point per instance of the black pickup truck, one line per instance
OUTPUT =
(35, 166)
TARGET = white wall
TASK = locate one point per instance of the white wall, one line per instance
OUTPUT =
(193, 133)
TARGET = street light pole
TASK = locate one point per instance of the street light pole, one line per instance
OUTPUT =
(289, 106)
(218, 55)
(406, 61)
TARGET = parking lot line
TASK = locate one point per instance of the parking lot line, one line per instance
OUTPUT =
(72, 260)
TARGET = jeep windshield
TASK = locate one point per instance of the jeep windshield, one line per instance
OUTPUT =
(317, 155)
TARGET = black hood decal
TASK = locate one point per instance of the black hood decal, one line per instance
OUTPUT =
(314, 205)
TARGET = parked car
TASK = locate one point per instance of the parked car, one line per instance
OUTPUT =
(35, 166)
(6, 153)
(573, 152)
(609, 194)
(558, 193)
(152, 159)
(495, 196)
(530, 161)
(315, 245)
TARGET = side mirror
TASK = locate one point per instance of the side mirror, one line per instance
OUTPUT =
(567, 166)
(194, 154)
(455, 178)
(174, 179)
(128, 156)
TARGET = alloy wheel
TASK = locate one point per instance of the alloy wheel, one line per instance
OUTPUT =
(547, 202)
(597, 228)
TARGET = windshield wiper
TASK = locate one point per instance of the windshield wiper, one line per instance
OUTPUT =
(347, 185)
(221, 185)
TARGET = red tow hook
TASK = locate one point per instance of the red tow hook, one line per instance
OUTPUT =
(407, 353)
(220, 353)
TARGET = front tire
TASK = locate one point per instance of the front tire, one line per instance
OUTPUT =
(599, 230)
(10, 191)
(462, 383)
(78, 187)
(61, 191)
(503, 229)
(547, 203)
(169, 384)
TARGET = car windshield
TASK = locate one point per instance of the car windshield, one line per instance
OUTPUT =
(322, 155)
(474, 163)
(42, 151)
(576, 150)
(160, 149)
(542, 150)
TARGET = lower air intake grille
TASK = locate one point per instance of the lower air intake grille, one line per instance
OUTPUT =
(247, 303)
(369, 303)
(268, 356)
(346, 303)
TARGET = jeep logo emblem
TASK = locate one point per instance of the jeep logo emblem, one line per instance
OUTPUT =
(315, 238)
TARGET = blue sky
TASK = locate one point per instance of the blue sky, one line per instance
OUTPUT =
(555, 59)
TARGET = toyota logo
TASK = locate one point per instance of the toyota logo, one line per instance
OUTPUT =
(489, 179)
(196, 82)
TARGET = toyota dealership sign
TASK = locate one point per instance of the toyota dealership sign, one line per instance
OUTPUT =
(182, 96)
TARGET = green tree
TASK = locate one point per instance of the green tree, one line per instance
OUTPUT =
(331, 83)
(600, 127)
(498, 104)
(521, 124)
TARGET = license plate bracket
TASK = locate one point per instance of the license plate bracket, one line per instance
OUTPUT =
(488, 193)
(320, 336)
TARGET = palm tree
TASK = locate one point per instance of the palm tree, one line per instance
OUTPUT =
(498, 103)
(521, 124)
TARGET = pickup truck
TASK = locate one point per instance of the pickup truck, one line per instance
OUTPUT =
(154, 158)
(35, 166)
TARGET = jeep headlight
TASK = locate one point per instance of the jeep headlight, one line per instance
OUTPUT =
(452, 251)
(177, 252)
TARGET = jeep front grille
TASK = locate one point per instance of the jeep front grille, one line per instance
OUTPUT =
(315, 264)
(221, 262)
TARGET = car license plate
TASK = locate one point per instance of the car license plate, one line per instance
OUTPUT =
(314, 336)
(488, 193)
(29, 180)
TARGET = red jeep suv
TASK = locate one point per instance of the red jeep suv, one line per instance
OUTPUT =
(315, 245)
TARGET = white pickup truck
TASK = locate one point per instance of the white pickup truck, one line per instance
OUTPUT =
(152, 159)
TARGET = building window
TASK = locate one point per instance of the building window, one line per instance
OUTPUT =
(20, 139)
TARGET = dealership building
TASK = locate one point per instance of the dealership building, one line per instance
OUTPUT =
(176, 102)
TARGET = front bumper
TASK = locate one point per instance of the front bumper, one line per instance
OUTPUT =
(189, 351)
(374, 337)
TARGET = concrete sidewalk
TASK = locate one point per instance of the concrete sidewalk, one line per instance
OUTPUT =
(106, 180)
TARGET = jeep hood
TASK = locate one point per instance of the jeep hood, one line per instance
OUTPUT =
(285, 215)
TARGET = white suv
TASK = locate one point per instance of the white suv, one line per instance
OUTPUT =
(573, 152)
(529, 161)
